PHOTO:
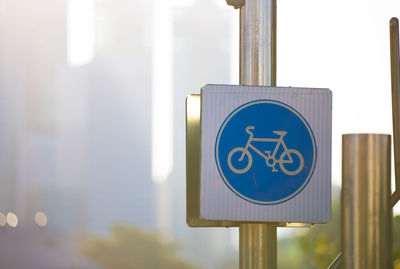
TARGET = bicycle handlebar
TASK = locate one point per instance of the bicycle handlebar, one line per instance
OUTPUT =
(248, 128)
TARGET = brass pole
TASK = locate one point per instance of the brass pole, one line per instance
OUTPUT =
(258, 242)
(395, 71)
(366, 202)
(258, 246)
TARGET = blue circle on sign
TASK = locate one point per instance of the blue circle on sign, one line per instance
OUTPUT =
(265, 152)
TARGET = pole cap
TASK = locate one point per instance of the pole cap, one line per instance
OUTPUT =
(235, 3)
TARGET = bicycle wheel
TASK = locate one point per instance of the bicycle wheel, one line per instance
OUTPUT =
(237, 161)
(290, 160)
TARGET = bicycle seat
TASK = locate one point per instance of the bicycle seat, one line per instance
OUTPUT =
(280, 133)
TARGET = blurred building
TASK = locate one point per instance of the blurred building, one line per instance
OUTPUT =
(75, 140)
(32, 48)
(202, 55)
(32, 156)
(117, 140)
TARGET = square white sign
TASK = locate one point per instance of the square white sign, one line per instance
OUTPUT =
(265, 154)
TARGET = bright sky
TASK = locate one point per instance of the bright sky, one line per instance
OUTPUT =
(344, 46)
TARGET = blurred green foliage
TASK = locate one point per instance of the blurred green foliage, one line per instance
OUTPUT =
(313, 248)
(129, 247)
(321, 244)
(318, 246)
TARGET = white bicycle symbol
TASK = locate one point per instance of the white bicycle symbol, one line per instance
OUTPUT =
(270, 160)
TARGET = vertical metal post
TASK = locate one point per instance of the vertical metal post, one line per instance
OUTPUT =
(258, 43)
(258, 242)
(366, 202)
(395, 72)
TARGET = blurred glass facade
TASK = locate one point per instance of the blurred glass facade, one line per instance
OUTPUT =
(76, 80)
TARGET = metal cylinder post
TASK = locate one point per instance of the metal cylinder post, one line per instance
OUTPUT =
(366, 201)
(258, 43)
(258, 246)
(395, 72)
(258, 242)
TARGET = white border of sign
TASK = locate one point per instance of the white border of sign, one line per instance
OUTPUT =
(311, 204)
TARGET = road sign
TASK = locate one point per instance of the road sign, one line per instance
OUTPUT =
(265, 154)
(283, 148)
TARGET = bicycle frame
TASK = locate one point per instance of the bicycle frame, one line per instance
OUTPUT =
(279, 141)
(270, 159)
